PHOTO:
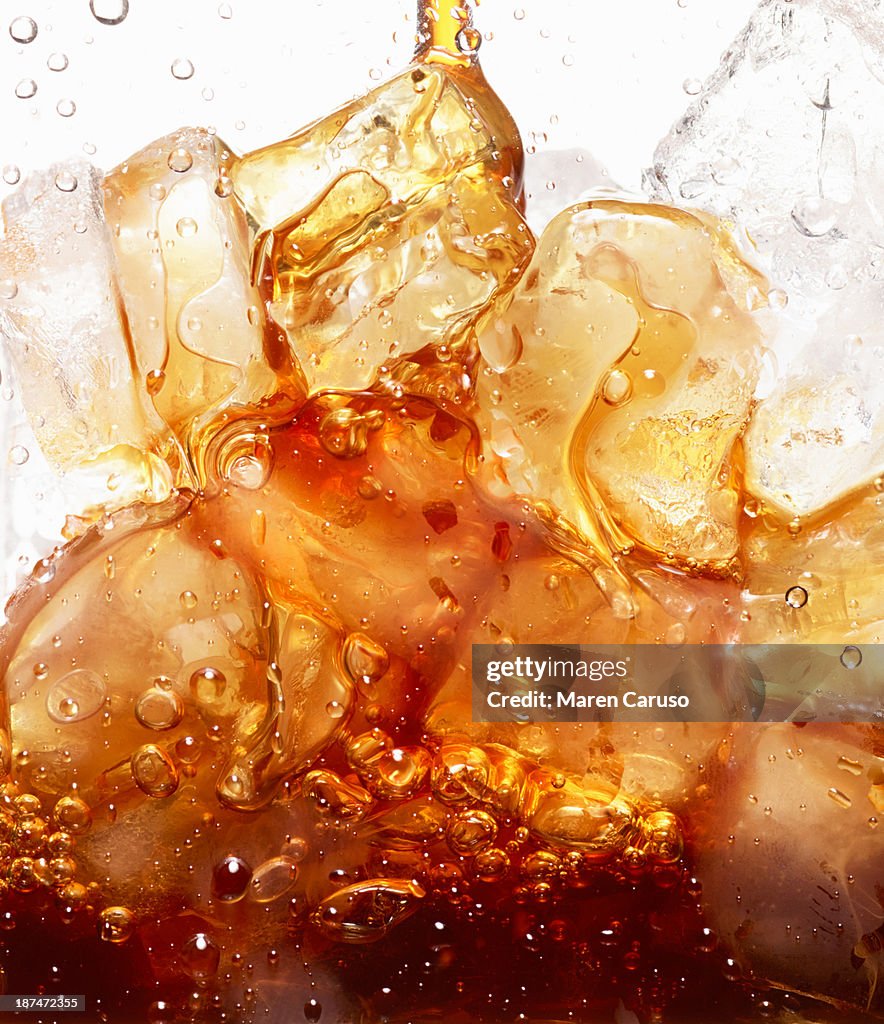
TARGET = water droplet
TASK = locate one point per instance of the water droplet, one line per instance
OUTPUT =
(223, 187)
(116, 924)
(777, 298)
(617, 388)
(154, 382)
(692, 86)
(272, 879)
(187, 227)
(18, 454)
(109, 12)
(851, 657)
(75, 696)
(57, 61)
(11, 174)
(23, 30)
(159, 708)
(841, 799)
(468, 40)
(364, 659)
(180, 160)
(66, 108)
(568, 60)
(796, 597)
(200, 957)
(208, 94)
(26, 88)
(230, 879)
(848, 765)
(65, 181)
(334, 709)
(225, 11)
(154, 771)
(157, 192)
(208, 685)
(814, 217)
(519, 14)
(182, 69)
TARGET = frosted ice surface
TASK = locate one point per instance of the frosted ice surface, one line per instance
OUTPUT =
(787, 139)
(60, 312)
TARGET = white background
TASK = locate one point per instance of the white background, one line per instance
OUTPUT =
(606, 78)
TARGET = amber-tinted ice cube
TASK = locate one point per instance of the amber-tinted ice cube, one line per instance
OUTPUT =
(620, 377)
(62, 314)
(182, 250)
(388, 229)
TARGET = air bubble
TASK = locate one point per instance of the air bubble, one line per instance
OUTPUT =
(182, 69)
(109, 12)
(225, 11)
(180, 160)
(814, 217)
(617, 388)
(116, 924)
(272, 879)
(26, 88)
(23, 30)
(230, 879)
(468, 41)
(851, 657)
(200, 957)
(19, 455)
(692, 86)
(208, 685)
(65, 181)
(75, 697)
(57, 61)
(159, 708)
(796, 597)
(187, 227)
(66, 108)
(154, 771)
(11, 174)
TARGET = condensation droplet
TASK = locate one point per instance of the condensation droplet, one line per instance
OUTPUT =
(75, 696)
(23, 30)
(109, 12)
(182, 69)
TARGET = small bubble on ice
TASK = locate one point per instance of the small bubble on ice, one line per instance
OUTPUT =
(180, 160)
(26, 88)
(109, 12)
(182, 69)
(23, 30)
(851, 657)
(65, 181)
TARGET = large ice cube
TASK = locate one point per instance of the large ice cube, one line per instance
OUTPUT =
(621, 375)
(787, 138)
(63, 319)
(388, 228)
(181, 244)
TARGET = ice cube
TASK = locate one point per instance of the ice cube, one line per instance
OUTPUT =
(621, 375)
(388, 229)
(787, 139)
(62, 315)
(181, 244)
(789, 860)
